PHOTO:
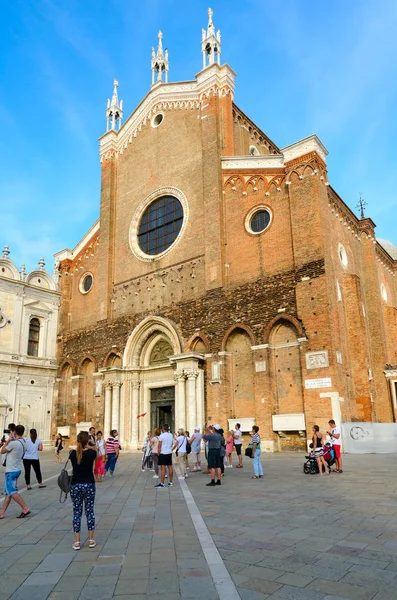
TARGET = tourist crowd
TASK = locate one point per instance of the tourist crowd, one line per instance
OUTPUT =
(95, 456)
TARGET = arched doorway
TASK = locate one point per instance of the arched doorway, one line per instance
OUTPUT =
(163, 383)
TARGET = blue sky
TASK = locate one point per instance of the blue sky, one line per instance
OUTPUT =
(302, 67)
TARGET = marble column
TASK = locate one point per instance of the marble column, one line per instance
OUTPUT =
(108, 409)
(116, 405)
(192, 375)
(200, 399)
(180, 400)
(135, 385)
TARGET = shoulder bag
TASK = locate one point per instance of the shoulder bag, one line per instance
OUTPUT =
(64, 481)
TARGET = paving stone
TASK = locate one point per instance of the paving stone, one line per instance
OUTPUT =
(295, 580)
(72, 583)
(32, 592)
(261, 573)
(135, 586)
(97, 593)
(51, 577)
(294, 593)
(70, 595)
(260, 585)
(353, 592)
(55, 562)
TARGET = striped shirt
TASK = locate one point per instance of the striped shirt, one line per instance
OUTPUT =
(112, 445)
(256, 439)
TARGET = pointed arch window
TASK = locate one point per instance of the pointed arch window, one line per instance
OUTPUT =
(34, 337)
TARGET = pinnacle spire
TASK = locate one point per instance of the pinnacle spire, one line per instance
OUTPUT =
(159, 62)
(114, 110)
(210, 43)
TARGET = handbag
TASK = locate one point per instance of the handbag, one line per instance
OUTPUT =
(248, 451)
(64, 481)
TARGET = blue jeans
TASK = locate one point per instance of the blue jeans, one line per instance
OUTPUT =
(256, 461)
(111, 462)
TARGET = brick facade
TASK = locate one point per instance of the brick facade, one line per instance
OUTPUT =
(243, 313)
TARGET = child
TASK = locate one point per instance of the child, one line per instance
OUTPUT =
(99, 465)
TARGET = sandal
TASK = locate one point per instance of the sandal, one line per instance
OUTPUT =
(254, 477)
(29, 487)
(92, 544)
(23, 515)
(43, 485)
(76, 546)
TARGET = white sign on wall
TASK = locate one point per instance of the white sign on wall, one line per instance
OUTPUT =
(311, 384)
(317, 360)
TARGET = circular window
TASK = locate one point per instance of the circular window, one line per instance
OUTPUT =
(157, 119)
(258, 220)
(383, 292)
(342, 256)
(160, 225)
(86, 283)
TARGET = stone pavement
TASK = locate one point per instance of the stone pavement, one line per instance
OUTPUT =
(288, 536)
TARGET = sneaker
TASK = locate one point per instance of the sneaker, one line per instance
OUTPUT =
(152, 470)
(159, 485)
(210, 484)
(170, 484)
(142, 470)
(319, 474)
(180, 477)
(155, 476)
(218, 482)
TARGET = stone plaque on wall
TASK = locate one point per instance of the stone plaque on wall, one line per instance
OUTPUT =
(317, 360)
(260, 366)
(311, 384)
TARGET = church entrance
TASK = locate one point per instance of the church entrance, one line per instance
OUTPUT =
(162, 407)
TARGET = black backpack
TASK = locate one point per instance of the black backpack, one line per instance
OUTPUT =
(188, 447)
(64, 481)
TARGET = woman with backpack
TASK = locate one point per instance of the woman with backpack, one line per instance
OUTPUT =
(82, 490)
(31, 459)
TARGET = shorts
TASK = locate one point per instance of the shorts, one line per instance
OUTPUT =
(165, 460)
(214, 459)
(238, 449)
(336, 449)
(195, 456)
(10, 483)
(319, 452)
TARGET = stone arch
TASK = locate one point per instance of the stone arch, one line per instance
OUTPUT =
(286, 371)
(199, 343)
(245, 328)
(86, 357)
(239, 356)
(86, 396)
(113, 359)
(295, 322)
(65, 390)
(139, 344)
(8, 269)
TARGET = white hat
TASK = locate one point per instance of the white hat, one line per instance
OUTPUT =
(217, 426)
(197, 428)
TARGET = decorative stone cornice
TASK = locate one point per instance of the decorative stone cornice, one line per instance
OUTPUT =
(188, 95)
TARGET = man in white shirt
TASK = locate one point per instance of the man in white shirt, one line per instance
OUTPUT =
(165, 448)
(15, 449)
(336, 440)
(238, 442)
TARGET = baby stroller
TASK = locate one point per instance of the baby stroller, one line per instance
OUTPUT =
(311, 468)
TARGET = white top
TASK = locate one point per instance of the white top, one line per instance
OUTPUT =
(166, 440)
(181, 439)
(335, 441)
(100, 444)
(32, 449)
(237, 437)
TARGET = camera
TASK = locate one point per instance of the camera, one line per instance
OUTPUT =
(6, 431)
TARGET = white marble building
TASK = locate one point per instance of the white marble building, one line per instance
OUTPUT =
(29, 304)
